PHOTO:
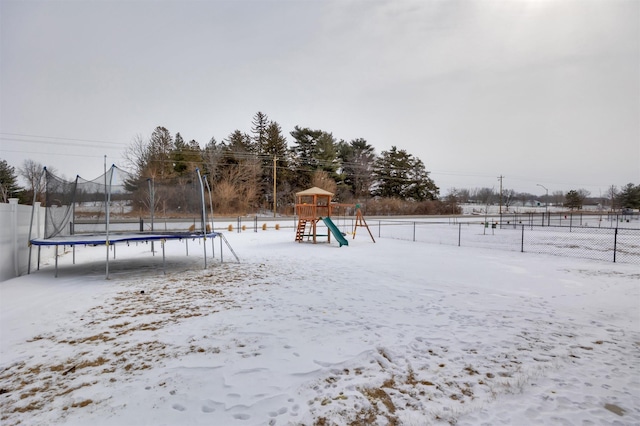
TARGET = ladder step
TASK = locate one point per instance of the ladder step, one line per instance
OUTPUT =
(302, 226)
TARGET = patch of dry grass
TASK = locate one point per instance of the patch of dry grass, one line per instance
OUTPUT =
(32, 386)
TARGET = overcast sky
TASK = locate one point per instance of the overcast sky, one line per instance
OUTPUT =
(540, 92)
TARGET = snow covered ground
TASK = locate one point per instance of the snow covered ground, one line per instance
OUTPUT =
(392, 332)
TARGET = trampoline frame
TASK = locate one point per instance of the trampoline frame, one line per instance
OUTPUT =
(114, 239)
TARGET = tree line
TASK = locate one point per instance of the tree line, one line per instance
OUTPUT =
(248, 170)
(243, 169)
(627, 196)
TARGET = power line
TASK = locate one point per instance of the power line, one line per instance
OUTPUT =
(61, 145)
(65, 154)
(59, 138)
(61, 142)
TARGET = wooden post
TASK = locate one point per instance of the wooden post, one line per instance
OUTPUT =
(361, 222)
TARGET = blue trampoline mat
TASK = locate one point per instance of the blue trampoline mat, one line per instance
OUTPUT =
(101, 239)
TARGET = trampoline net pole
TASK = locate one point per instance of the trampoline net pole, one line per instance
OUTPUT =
(204, 217)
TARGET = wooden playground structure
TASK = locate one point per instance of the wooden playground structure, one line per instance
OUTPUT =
(314, 205)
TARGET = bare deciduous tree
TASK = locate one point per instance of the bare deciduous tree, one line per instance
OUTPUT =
(612, 194)
(137, 155)
(212, 157)
(238, 187)
(508, 197)
(321, 179)
(33, 173)
(558, 197)
(485, 196)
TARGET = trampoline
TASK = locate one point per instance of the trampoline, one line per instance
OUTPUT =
(64, 198)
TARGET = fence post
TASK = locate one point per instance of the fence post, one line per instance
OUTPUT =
(615, 243)
(522, 241)
(570, 221)
(459, 232)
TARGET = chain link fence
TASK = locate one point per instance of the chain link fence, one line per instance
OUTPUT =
(610, 240)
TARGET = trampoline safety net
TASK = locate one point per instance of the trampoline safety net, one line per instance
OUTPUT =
(89, 206)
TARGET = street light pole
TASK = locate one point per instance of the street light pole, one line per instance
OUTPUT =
(546, 199)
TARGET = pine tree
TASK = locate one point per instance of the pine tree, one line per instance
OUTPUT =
(8, 182)
(304, 159)
(573, 200)
(275, 146)
(160, 163)
(420, 187)
(629, 196)
(238, 145)
(178, 155)
(398, 174)
(260, 123)
(326, 154)
(391, 170)
(357, 158)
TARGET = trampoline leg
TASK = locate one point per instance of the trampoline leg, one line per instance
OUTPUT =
(186, 244)
(39, 257)
(106, 272)
(56, 262)
(204, 246)
(164, 270)
(221, 252)
(74, 254)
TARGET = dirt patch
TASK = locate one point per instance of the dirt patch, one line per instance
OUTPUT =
(615, 409)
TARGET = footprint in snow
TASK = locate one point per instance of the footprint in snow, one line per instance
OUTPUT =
(279, 412)
(241, 416)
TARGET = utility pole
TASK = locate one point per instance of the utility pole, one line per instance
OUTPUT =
(274, 185)
(500, 179)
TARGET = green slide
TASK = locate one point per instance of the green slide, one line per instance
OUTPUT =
(335, 231)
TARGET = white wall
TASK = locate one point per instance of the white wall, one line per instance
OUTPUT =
(15, 220)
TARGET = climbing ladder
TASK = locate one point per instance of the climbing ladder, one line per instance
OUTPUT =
(302, 226)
